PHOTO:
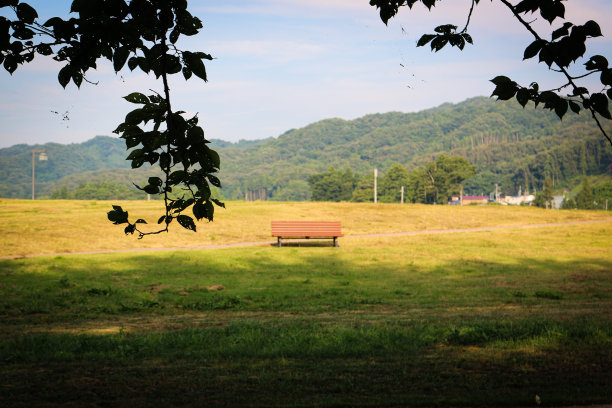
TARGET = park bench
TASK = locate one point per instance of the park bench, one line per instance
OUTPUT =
(306, 230)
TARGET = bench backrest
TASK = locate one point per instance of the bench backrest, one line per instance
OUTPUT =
(311, 229)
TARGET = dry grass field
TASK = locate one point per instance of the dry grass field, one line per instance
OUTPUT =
(58, 226)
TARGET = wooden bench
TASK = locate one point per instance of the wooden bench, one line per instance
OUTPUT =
(306, 230)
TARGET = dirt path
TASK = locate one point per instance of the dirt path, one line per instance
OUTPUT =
(261, 243)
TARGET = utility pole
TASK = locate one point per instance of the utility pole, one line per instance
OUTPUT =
(42, 156)
(402, 200)
(375, 185)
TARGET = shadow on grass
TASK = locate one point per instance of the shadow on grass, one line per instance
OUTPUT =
(345, 328)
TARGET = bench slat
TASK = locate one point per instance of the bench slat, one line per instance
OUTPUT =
(306, 229)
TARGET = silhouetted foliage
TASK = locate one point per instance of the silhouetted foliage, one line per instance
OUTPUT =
(141, 34)
(566, 46)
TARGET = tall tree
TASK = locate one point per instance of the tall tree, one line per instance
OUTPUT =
(364, 190)
(142, 34)
(439, 179)
(567, 44)
(585, 199)
(333, 185)
(392, 183)
(544, 198)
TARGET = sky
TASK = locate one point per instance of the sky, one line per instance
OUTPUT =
(283, 64)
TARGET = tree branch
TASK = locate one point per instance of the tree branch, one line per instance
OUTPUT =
(469, 17)
(561, 68)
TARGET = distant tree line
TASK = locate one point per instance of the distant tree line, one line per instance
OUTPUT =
(433, 183)
(510, 146)
(98, 191)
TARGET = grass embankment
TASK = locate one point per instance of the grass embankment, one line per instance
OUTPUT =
(484, 318)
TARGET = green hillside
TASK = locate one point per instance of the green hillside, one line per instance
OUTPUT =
(510, 146)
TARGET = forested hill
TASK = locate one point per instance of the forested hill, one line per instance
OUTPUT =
(509, 145)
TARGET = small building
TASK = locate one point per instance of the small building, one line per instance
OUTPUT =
(520, 199)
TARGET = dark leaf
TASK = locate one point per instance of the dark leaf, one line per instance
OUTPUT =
(161, 219)
(155, 181)
(186, 222)
(563, 31)
(132, 63)
(580, 91)
(199, 210)
(425, 39)
(547, 56)
(23, 33)
(129, 229)
(522, 96)
(213, 156)
(561, 107)
(135, 153)
(195, 65)
(219, 203)
(177, 177)
(120, 57)
(64, 75)
(596, 62)
(606, 76)
(53, 21)
(438, 43)
(136, 97)
(592, 29)
(533, 49)
(526, 5)
(214, 180)
(505, 90)
(10, 64)
(77, 78)
(151, 189)
(138, 162)
(498, 80)
(164, 160)
(6, 3)
(574, 106)
(44, 49)
(195, 135)
(445, 29)
(26, 13)
(599, 102)
(174, 36)
(117, 215)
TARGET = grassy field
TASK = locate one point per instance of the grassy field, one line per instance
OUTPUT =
(488, 318)
(58, 226)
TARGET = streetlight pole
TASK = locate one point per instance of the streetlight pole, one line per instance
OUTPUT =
(375, 185)
(42, 156)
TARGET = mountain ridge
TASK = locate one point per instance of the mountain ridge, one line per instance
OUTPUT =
(510, 146)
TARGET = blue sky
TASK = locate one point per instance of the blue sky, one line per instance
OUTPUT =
(282, 64)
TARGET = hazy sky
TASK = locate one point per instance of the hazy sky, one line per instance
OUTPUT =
(282, 64)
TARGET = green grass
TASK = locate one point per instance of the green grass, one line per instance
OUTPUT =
(488, 318)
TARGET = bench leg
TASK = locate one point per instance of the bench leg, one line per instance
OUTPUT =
(336, 242)
(280, 244)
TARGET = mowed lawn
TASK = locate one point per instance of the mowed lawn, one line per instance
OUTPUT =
(486, 318)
